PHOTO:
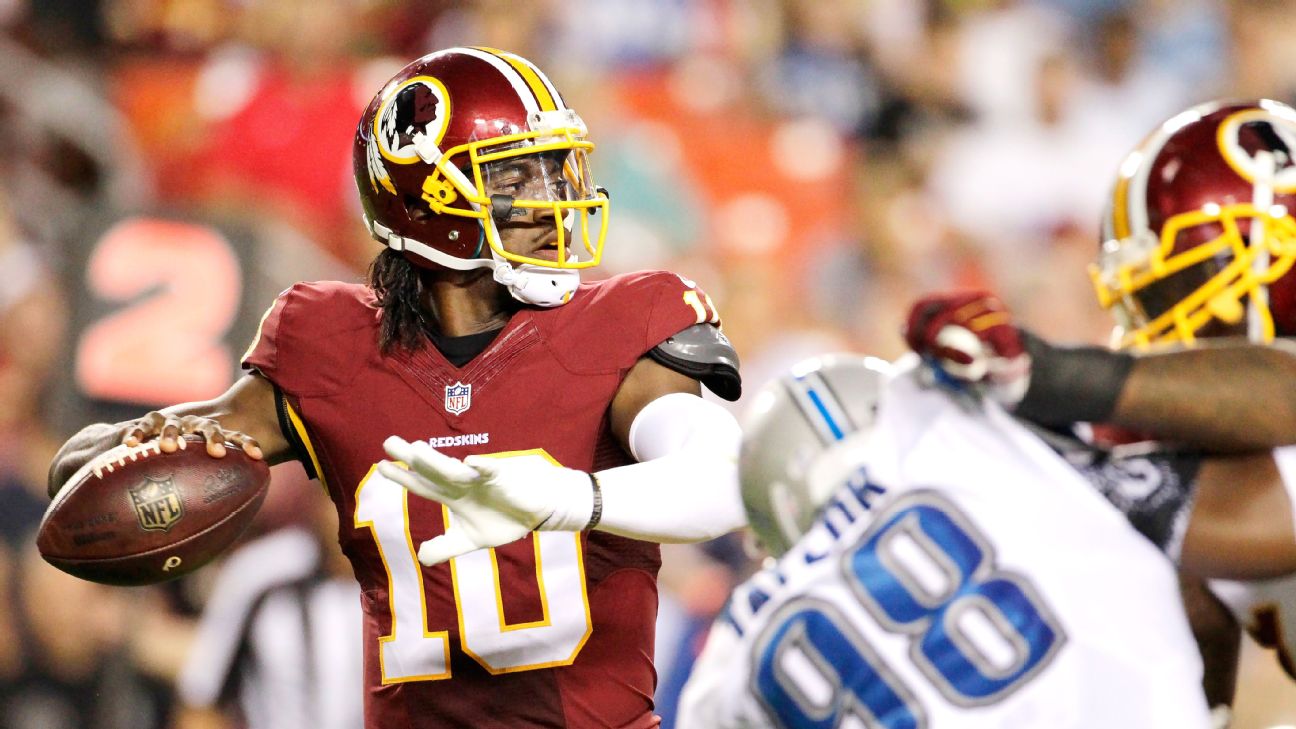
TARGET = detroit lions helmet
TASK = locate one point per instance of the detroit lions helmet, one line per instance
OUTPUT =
(803, 439)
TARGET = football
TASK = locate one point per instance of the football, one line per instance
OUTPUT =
(138, 516)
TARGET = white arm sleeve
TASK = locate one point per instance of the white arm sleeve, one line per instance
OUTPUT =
(685, 487)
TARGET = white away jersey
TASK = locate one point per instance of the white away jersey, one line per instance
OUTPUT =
(966, 576)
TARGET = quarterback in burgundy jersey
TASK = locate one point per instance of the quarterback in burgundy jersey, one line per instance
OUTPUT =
(545, 434)
(542, 387)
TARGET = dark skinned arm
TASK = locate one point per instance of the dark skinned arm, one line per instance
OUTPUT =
(1228, 397)
(1232, 400)
(646, 381)
(681, 493)
(1241, 524)
(1233, 397)
(243, 416)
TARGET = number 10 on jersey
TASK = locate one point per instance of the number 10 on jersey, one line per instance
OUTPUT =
(413, 651)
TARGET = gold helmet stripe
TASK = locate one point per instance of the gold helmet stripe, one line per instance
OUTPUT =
(1120, 210)
(529, 73)
(1129, 215)
(524, 93)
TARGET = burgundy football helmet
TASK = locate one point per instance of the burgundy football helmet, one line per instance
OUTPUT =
(464, 139)
(1199, 238)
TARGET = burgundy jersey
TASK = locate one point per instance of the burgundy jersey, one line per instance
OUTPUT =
(555, 629)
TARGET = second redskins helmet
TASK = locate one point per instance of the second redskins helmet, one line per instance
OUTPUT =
(435, 141)
(1199, 238)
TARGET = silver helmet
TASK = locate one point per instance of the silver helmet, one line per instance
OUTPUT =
(802, 439)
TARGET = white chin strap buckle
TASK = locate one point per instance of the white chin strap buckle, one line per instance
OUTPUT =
(537, 285)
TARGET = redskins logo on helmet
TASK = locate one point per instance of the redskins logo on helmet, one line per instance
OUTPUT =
(1199, 238)
(413, 109)
(464, 141)
(1246, 137)
(412, 113)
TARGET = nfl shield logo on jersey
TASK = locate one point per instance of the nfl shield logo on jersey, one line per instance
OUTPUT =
(458, 398)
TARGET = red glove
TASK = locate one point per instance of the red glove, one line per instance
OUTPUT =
(968, 338)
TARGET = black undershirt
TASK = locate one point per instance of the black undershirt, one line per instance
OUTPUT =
(460, 350)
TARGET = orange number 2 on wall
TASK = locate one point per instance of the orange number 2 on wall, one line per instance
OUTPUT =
(180, 284)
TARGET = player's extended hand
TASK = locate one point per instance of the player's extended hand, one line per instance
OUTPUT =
(169, 429)
(968, 338)
(492, 501)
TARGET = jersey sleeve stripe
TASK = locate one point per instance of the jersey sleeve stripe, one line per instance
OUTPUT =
(300, 429)
(290, 433)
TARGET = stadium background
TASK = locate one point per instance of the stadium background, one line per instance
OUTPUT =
(167, 166)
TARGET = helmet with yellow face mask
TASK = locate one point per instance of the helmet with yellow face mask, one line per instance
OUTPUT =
(465, 141)
(1199, 239)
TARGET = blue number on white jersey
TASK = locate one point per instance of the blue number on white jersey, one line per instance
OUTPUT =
(924, 570)
(860, 683)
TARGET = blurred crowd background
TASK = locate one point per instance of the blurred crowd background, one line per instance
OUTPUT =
(167, 166)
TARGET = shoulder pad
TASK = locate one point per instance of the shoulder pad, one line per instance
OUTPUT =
(704, 353)
(610, 324)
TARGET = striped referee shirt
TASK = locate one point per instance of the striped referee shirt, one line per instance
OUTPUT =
(280, 639)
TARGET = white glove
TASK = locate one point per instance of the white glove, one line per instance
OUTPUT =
(492, 501)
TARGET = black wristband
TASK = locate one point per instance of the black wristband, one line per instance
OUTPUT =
(1072, 384)
(597, 514)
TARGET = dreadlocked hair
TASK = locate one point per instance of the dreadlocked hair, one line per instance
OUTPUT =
(395, 281)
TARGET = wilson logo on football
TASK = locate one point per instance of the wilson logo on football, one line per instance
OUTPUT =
(157, 504)
(458, 398)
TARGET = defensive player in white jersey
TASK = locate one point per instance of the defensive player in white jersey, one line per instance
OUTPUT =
(962, 574)
(967, 571)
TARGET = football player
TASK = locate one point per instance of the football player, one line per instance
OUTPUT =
(1198, 243)
(942, 563)
(477, 358)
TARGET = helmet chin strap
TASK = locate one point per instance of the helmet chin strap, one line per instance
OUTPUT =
(537, 285)
(532, 284)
